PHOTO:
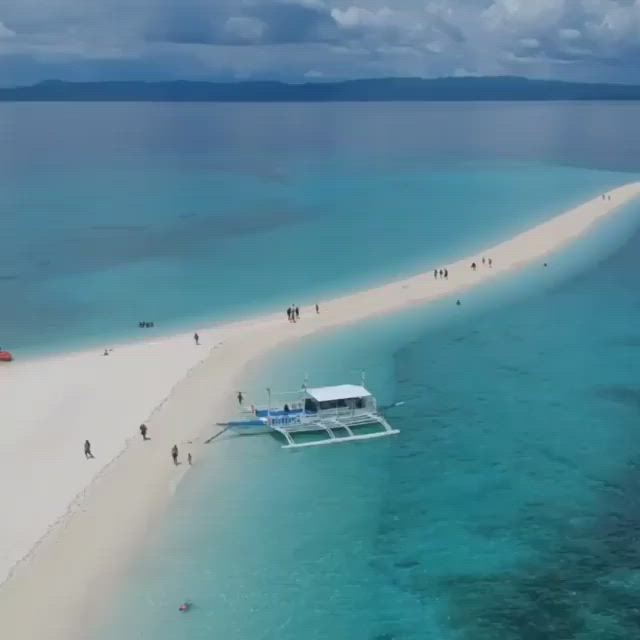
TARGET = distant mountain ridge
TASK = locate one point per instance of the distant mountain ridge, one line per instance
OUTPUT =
(366, 90)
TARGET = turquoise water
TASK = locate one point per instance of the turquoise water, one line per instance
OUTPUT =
(185, 214)
(505, 509)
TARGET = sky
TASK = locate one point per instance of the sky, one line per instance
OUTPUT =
(304, 40)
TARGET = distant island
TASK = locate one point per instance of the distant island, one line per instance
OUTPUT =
(506, 88)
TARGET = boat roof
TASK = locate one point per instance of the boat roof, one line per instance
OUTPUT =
(339, 392)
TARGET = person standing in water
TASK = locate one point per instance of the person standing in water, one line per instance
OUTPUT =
(174, 454)
(196, 339)
(240, 397)
(87, 450)
(143, 431)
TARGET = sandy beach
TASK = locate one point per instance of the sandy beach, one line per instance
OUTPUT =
(71, 525)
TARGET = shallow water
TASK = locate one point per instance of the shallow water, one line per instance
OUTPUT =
(505, 509)
(184, 214)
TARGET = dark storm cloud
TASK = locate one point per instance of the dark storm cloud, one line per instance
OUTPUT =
(266, 22)
(223, 39)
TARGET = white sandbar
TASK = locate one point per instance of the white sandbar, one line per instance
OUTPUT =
(70, 525)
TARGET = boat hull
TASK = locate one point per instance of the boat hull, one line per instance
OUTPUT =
(248, 427)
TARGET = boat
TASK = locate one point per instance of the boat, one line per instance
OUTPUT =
(318, 416)
(6, 356)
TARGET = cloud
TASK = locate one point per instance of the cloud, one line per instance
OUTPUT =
(288, 39)
(6, 33)
(245, 28)
(241, 23)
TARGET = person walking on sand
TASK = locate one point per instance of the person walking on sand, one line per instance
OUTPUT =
(196, 339)
(317, 308)
(87, 450)
(441, 273)
(189, 458)
(240, 397)
(174, 454)
(298, 313)
(435, 274)
(289, 314)
(490, 262)
(446, 274)
(143, 431)
(483, 260)
(473, 266)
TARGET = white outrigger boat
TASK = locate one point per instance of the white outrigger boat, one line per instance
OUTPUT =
(318, 416)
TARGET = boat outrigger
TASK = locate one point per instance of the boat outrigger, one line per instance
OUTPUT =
(318, 416)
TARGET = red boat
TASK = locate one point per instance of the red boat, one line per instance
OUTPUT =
(5, 356)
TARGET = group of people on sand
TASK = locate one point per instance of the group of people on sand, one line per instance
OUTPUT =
(88, 454)
(143, 324)
(293, 313)
(606, 196)
(441, 273)
(485, 261)
(174, 456)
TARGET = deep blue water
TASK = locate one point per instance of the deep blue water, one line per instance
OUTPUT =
(182, 214)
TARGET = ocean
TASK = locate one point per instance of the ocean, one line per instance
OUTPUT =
(506, 507)
(183, 215)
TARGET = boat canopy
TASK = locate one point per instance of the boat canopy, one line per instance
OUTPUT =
(339, 392)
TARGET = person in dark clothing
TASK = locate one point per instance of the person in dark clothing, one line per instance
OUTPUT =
(174, 454)
(289, 314)
(446, 274)
(143, 431)
(196, 338)
(189, 459)
(473, 266)
(435, 274)
(490, 262)
(298, 313)
(458, 303)
(317, 308)
(240, 397)
(441, 273)
(87, 450)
